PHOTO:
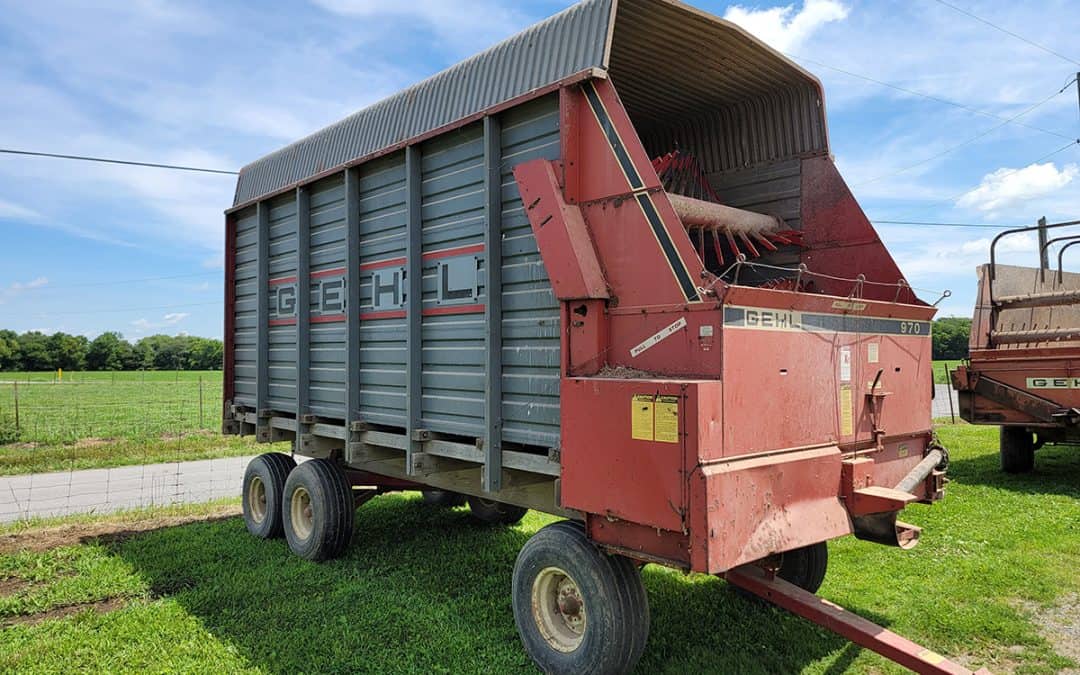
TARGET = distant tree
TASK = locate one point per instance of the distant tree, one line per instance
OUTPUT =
(68, 351)
(951, 338)
(9, 350)
(34, 353)
(108, 351)
(206, 354)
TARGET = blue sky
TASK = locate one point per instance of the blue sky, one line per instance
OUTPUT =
(219, 84)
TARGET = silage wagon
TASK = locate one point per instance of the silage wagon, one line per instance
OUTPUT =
(607, 270)
(1023, 371)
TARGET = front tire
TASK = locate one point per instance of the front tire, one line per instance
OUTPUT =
(317, 510)
(577, 609)
(1017, 450)
(264, 485)
(805, 567)
(495, 513)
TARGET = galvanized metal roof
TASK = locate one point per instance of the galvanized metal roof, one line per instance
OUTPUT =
(667, 60)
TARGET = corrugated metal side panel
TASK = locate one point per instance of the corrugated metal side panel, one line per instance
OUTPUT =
(766, 188)
(452, 211)
(327, 393)
(282, 339)
(530, 323)
(246, 301)
(565, 44)
(383, 222)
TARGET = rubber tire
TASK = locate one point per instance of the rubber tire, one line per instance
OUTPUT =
(332, 510)
(495, 513)
(1017, 450)
(444, 498)
(272, 469)
(805, 567)
(617, 607)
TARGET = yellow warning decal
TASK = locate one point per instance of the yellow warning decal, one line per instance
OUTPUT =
(847, 415)
(667, 419)
(641, 417)
(930, 657)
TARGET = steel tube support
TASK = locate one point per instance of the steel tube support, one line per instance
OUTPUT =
(837, 619)
(920, 472)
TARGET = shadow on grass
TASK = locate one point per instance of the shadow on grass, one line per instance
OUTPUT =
(1057, 471)
(428, 590)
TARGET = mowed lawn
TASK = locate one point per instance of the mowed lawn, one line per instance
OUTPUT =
(428, 590)
(94, 420)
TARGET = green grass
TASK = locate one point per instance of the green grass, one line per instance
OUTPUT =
(940, 372)
(427, 590)
(95, 420)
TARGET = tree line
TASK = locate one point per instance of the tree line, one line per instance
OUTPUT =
(35, 351)
(950, 336)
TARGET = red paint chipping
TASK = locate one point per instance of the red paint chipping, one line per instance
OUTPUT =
(452, 252)
(328, 318)
(282, 280)
(458, 309)
(379, 264)
(337, 271)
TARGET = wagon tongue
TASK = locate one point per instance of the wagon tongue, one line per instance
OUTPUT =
(768, 586)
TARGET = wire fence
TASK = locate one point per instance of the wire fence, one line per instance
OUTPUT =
(98, 442)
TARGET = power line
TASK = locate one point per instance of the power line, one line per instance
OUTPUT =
(929, 97)
(130, 309)
(1009, 32)
(104, 160)
(924, 223)
(967, 142)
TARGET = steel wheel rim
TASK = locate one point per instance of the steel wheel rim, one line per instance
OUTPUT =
(300, 514)
(558, 609)
(256, 499)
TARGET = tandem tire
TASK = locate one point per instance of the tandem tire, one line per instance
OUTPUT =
(495, 513)
(317, 510)
(1017, 450)
(577, 609)
(444, 498)
(805, 567)
(264, 485)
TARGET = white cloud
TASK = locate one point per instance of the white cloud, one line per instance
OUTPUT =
(19, 287)
(12, 211)
(467, 24)
(144, 325)
(782, 27)
(1008, 187)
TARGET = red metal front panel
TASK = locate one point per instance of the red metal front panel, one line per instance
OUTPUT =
(605, 469)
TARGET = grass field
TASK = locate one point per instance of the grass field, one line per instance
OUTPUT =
(940, 370)
(427, 590)
(95, 420)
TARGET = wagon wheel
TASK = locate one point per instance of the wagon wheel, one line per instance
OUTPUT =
(577, 609)
(264, 485)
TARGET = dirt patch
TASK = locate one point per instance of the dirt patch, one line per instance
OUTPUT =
(1060, 625)
(108, 529)
(100, 607)
(92, 442)
(12, 586)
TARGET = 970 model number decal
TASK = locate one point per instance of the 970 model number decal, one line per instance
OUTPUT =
(781, 319)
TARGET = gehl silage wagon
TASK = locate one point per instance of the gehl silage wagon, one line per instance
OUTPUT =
(1024, 367)
(607, 270)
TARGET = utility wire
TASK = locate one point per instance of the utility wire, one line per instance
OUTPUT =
(929, 97)
(924, 223)
(131, 309)
(1009, 32)
(966, 143)
(1008, 173)
(104, 160)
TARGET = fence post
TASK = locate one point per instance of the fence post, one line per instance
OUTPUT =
(16, 383)
(949, 393)
(200, 404)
